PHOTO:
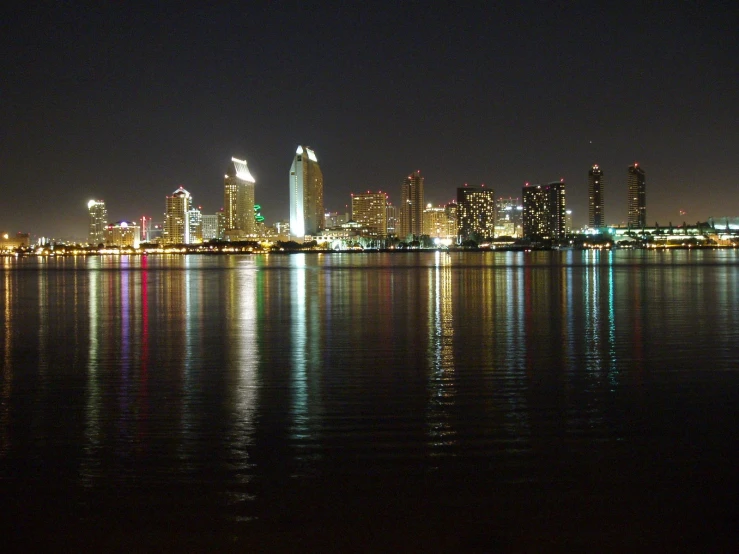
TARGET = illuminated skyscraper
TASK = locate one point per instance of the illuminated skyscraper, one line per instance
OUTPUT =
(176, 218)
(195, 225)
(508, 217)
(238, 200)
(392, 219)
(596, 198)
(306, 194)
(637, 197)
(369, 209)
(410, 210)
(544, 211)
(98, 222)
(209, 226)
(123, 233)
(440, 221)
(476, 212)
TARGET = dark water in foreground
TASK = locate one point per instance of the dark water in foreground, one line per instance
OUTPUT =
(429, 402)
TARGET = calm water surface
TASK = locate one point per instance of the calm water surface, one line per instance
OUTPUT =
(424, 401)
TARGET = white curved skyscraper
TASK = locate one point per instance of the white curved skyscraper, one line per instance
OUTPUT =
(306, 194)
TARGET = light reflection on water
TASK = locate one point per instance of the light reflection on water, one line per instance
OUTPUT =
(234, 382)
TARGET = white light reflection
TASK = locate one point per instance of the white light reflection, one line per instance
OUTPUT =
(298, 336)
(441, 384)
(7, 365)
(90, 466)
(43, 327)
(244, 336)
(613, 365)
(517, 416)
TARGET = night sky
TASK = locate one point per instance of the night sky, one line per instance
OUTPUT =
(128, 104)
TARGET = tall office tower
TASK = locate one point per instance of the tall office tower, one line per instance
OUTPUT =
(392, 219)
(410, 216)
(596, 198)
(476, 212)
(210, 226)
(221, 224)
(238, 200)
(306, 194)
(452, 214)
(508, 218)
(98, 221)
(176, 218)
(637, 197)
(195, 224)
(544, 211)
(369, 209)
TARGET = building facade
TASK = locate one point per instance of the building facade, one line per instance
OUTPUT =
(176, 218)
(392, 219)
(306, 194)
(637, 197)
(369, 209)
(596, 198)
(410, 211)
(195, 225)
(98, 222)
(9, 242)
(209, 227)
(238, 200)
(544, 211)
(476, 213)
(508, 217)
(123, 234)
(439, 222)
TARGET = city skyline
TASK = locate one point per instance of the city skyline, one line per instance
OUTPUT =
(121, 111)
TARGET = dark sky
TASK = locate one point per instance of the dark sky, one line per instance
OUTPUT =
(126, 104)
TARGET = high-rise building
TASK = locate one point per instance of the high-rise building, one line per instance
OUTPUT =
(544, 211)
(176, 218)
(209, 226)
(410, 216)
(452, 214)
(238, 200)
(637, 197)
(123, 233)
(392, 219)
(369, 209)
(221, 223)
(476, 212)
(98, 222)
(440, 221)
(596, 198)
(195, 225)
(508, 217)
(306, 194)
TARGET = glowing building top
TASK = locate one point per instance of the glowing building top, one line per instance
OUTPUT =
(238, 201)
(241, 171)
(98, 220)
